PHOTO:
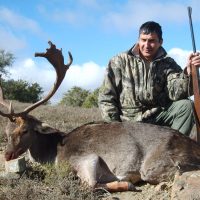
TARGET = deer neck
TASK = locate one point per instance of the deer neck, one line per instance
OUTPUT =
(44, 147)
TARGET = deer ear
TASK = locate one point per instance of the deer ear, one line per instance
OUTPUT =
(44, 128)
(19, 121)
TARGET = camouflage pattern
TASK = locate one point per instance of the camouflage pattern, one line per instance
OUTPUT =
(134, 90)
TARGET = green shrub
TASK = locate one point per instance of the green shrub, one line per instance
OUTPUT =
(74, 97)
(21, 91)
(91, 100)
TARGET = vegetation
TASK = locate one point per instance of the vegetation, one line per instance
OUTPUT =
(91, 100)
(78, 97)
(17, 90)
(22, 91)
(44, 182)
(74, 97)
(6, 60)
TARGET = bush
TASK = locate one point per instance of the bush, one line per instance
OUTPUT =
(21, 91)
(75, 97)
(78, 97)
(6, 59)
(91, 100)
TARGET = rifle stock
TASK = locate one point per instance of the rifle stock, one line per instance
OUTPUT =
(195, 81)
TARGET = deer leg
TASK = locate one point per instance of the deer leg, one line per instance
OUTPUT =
(157, 166)
(117, 186)
(93, 170)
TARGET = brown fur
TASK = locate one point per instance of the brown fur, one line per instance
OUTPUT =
(107, 152)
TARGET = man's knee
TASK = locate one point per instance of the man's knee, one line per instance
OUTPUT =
(184, 116)
(185, 105)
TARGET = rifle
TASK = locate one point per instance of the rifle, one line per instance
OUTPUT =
(195, 81)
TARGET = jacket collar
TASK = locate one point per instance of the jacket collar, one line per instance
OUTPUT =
(135, 52)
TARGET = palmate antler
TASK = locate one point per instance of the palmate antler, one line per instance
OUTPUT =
(55, 57)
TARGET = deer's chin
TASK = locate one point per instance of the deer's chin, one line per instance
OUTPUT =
(10, 155)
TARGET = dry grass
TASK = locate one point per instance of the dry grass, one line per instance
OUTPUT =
(45, 182)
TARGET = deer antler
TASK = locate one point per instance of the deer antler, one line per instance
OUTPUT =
(55, 57)
(5, 104)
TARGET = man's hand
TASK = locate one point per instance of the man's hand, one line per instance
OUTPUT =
(193, 60)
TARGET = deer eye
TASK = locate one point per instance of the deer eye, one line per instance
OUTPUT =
(24, 132)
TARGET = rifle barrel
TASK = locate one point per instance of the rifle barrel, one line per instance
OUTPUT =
(191, 28)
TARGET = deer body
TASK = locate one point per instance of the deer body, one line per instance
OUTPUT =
(105, 152)
(101, 153)
(132, 151)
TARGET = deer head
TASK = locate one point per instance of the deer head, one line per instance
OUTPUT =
(21, 125)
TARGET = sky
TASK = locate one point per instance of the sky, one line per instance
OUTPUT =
(92, 30)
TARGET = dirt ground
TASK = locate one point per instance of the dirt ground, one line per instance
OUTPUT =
(145, 191)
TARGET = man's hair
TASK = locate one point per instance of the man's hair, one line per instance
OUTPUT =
(151, 27)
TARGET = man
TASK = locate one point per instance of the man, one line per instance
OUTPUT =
(145, 84)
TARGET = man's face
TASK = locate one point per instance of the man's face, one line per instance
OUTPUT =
(149, 45)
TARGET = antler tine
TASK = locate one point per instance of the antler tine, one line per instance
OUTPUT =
(2, 101)
(5, 104)
(55, 57)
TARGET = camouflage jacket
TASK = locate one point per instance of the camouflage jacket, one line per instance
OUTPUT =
(133, 90)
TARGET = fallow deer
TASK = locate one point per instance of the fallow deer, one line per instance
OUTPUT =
(110, 155)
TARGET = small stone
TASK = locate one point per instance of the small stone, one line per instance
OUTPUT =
(160, 187)
(16, 166)
(9, 176)
(186, 186)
